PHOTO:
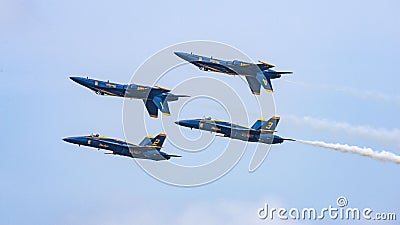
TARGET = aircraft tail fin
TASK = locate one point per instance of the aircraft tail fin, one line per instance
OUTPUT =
(146, 141)
(265, 82)
(158, 141)
(266, 125)
(162, 104)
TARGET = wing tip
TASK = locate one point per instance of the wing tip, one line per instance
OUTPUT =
(267, 64)
(163, 88)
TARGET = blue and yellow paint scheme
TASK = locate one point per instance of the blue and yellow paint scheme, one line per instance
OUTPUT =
(262, 130)
(149, 147)
(257, 75)
(155, 98)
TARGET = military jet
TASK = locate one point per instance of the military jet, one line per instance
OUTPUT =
(149, 147)
(155, 98)
(262, 130)
(257, 75)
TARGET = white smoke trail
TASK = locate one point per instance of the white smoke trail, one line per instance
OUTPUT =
(377, 134)
(383, 155)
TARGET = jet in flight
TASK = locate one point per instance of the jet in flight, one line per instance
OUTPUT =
(262, 130)
(155, 98)
(149, 147)
(257, 75)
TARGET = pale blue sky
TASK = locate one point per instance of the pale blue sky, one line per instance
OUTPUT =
(352, 44)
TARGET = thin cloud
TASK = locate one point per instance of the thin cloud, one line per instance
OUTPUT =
(385, 136)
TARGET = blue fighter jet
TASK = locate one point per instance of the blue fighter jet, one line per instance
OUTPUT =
(262, 130)
(155, 98)
(257, 75)
(149, 148)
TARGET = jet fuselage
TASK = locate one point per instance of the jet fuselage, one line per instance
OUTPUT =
(155, 98)
(119, 147)
(234, 67)
(231, 130)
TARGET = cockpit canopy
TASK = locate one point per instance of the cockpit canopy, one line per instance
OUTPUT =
(238, 63)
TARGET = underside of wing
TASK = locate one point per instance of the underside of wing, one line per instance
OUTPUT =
(254, 85)
(150, 152)
(151, 108)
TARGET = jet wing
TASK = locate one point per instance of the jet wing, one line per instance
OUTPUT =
(163, 88)
(118, 144)
(231, 126)
(143, 150)
(265, 65)
(150, 152)
(228, 129)
(254, 85)
(151, 108)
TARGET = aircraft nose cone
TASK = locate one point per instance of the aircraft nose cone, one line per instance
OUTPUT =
(75, 140)
(185, 56)
(83, 81)
(79, 80)
(181, 123)
(179, 54)
(69, 139)
(188, 123)
(76, 79)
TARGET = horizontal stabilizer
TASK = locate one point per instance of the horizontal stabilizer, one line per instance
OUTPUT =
(181, 96)
(278, 72)
(288, 139)
(174, 155)
(268, 131)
